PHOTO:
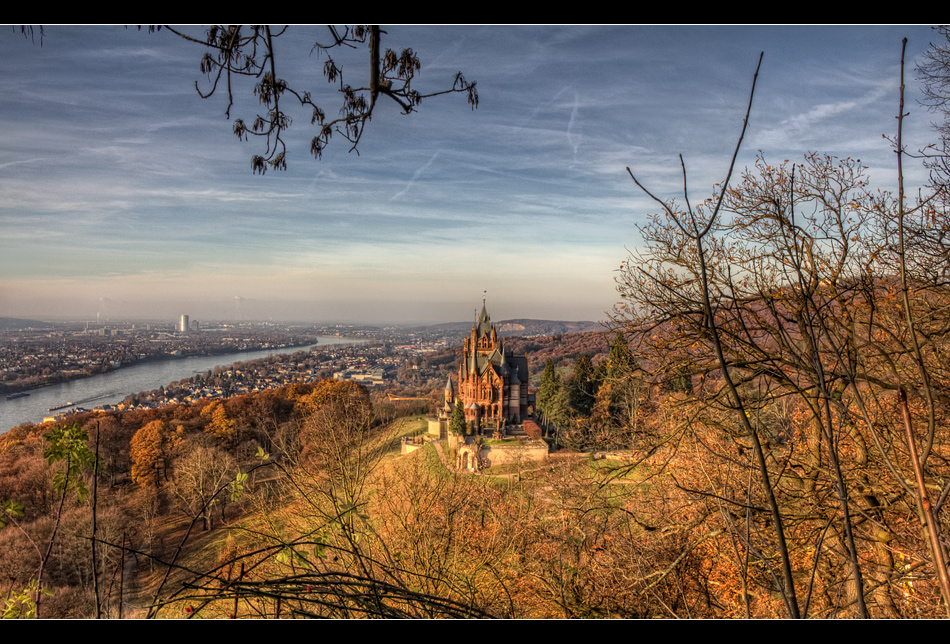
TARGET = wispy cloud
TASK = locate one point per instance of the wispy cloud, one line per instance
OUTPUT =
(415, 176)
(20, 162)
(112, 168)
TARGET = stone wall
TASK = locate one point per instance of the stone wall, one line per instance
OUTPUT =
(524, 452)
(411, 444)
(438, 427)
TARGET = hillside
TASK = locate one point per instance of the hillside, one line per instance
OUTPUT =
(516, 327)
(15, 324)
(298, 501)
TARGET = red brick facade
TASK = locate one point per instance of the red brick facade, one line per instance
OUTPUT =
(492, 385)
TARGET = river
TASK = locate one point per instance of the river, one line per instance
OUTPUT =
(114, 386)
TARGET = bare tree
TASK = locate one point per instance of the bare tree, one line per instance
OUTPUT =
(798, 286)
(934, 71)
(691, 234)
(199, 480)
(238, 52)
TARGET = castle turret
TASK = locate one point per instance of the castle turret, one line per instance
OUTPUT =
(449, 396)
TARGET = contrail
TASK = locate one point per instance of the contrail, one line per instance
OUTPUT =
(7, 165)
(415, 176)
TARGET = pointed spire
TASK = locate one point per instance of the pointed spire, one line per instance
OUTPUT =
(483, 325)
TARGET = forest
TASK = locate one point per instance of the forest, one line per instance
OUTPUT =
(761, 433)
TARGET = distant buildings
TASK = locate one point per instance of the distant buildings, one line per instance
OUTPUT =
(368, 377)
(188, 326)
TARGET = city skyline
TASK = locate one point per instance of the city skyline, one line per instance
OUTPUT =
(127, 195)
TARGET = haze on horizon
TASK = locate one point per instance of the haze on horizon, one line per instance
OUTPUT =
(126, 194)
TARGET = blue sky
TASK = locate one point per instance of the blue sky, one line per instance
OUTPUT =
(126, 194)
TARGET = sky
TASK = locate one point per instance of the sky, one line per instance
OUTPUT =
(124, 194)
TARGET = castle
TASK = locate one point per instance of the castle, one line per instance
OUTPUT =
(492, 384)
(493, 392)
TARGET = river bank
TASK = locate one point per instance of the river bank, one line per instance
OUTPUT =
(13, 389)
(114, 386)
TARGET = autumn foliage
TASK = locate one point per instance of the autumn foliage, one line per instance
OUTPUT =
(808, 315)
(761, 435)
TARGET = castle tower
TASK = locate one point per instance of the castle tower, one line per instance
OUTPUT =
(449, 397)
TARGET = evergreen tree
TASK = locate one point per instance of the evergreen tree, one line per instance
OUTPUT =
(620, 361)
(582, 387)
(558, 413)
(457, 423)
(549, 385)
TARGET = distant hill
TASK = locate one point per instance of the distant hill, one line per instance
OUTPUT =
(13, 324)
(522, 327)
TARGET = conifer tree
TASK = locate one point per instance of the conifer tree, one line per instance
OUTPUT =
(582, 387)
(558, 412)
(620, 361)
(549, 385)
(457, 423)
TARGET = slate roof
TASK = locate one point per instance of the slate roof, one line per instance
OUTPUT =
(483, 325)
